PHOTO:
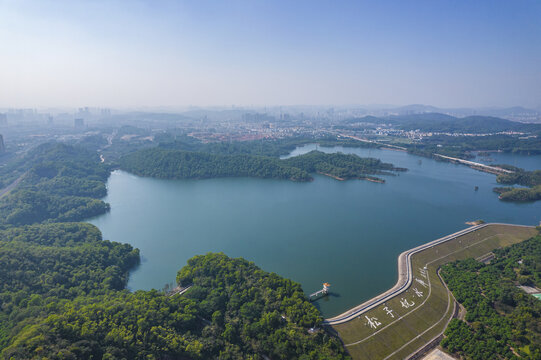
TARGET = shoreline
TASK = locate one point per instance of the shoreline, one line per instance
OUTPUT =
(405, 277)
(331, 176)
(379, 181)
(374, 180)
(474, 222)
(476, 166)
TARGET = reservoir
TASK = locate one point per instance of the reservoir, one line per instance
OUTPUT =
(526, 162)
(346, 233)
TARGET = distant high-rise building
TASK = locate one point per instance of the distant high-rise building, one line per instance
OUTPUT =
(257, 117)
(285, 117)
(79, 123)
(50, 120)
(2, 146)
(3, 119)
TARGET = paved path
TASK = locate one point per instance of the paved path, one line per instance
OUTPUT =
(437, 354)
(491, 169)
(179, 290)
(405, 277)
(391, 146)
(11, 186)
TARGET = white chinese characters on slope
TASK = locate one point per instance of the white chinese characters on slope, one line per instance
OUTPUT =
(421, 282)
(372, 322)
(405, 304)
(388, 311)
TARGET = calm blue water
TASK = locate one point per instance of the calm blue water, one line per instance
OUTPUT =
(348, 233)
(525, 162)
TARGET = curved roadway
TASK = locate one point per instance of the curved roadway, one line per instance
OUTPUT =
(405, 277)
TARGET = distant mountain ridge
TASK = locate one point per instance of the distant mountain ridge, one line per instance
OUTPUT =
(438, 122)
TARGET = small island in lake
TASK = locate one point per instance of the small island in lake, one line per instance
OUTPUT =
(531, 179)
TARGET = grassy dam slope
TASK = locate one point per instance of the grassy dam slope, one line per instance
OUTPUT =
(396, 324)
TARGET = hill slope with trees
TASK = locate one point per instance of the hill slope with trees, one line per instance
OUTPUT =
(502, 321)
(532, 179)
(63, 296)
(179, 164)
(59, 182)
(443, 123)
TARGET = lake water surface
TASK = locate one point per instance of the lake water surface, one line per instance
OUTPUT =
(347, 233)
(531, 162)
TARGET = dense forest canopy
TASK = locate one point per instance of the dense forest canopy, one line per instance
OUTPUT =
(266, 147)
(55, 259)
(179, 164)
(519, 177)
(463, 146)
(519, 194)
(453, 136)
(454, 146)
(62, 298)
(59, 182)
(437, 122)
(532, 179)
(502, 321)
(344, 166)
(62, 287)
(42, 266)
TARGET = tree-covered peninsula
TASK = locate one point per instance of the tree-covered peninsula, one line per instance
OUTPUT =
(180, 164)
(342, 166)
(62, 297)
(519, 194)
(531, 179)
(57, 182)
(63, 288)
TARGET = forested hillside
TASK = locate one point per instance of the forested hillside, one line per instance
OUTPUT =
(62, 287)
(502, 321)
(446, 139)
(343, 166)
(469, 124)
(61, 299)
(267, 147)
(532, 179)
(178, 164)
(59, 182)
(519, 177)
(437, 122)
(42, 266)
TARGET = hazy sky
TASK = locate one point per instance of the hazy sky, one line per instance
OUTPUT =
(176, 53)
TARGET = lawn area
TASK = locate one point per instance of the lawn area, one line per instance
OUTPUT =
(411, 319)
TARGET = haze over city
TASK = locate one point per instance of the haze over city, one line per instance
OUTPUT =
(270, 180)
(204, 53)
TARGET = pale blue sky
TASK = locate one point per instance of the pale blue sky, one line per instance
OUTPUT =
(177, 53)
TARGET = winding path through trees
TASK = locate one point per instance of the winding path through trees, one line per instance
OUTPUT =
(11, 186)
